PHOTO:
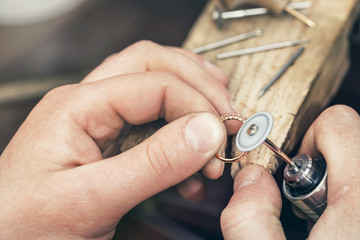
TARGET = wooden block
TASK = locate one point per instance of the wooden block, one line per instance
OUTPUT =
(306, 87)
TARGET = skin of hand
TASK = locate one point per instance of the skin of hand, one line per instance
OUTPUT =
(254, 209)
(54, 180)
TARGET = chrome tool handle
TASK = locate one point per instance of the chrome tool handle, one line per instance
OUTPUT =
(306, 188)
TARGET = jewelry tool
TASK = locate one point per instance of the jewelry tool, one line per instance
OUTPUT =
(261, 48)
(282, 70)
(257, 32)
(305, 179)
(276, 7)
(219, 16)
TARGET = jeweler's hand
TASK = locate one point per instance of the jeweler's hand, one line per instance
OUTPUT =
(206, 78)
(54, 181)
(254, 209)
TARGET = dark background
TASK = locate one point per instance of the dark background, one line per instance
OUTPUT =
(76, 43)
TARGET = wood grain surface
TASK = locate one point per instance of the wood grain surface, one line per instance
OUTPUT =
(302, 92)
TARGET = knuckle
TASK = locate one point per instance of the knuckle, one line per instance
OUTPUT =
(60, 100)
(168, 77)
(111, 57)
(144, 44)
(58, 95)
(339, 111)
(159, 159)
(141, 46)
(242, 215)
(237, 215)
(165, 79)
(335, 120)
(246, 221)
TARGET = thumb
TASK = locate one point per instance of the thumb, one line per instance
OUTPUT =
(254, 209)
(172, 154)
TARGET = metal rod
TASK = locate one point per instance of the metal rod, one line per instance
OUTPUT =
(260, 11)
(261, 48)
(282, 70)
(227, 41)
(244, 13)
(300, 16)
(280, 153)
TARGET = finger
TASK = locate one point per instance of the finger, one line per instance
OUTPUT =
(214, 70)
(171, 155)
(254, 209)
(164, 96)
(139, 57)
(147, 56)
(215, 167)
(91, 115)
(336, 135)
(193, 189)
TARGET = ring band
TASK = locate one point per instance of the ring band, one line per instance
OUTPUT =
(227, 117)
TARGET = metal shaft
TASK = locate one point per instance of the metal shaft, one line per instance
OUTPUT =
(282, 70)
(227, 41)
(278, 152)
(260, 11)
(261, 48)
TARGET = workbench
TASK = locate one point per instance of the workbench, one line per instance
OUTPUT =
(305, 89)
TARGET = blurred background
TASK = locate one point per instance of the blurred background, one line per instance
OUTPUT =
(45, 44)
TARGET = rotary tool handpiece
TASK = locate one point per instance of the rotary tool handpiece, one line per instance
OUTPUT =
(305, 179)
(306, 185)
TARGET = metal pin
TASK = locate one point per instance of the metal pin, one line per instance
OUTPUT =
(282, 70)
(261, 48)
(257, 32)
(280, 153)
(252, 130)
(300, 16)
(219, 16)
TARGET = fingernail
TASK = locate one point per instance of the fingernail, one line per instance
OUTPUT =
(203, 132)
(248, 177)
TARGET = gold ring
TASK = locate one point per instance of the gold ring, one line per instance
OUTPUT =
(224, 118)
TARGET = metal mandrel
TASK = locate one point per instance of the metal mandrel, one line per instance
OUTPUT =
(282, 70)
(219, 16)
(257, 32)
(261, 48)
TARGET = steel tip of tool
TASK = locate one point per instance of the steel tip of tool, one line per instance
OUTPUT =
(258, 32)
(261, 93)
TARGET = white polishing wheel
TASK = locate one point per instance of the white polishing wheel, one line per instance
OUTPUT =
(254, 131)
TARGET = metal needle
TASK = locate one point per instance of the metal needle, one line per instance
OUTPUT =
(261, 48)
(282, 70)
(227, 41)
(280, 153)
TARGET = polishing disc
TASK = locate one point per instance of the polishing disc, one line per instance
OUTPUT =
(254, 131)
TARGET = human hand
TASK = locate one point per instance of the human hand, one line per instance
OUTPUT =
(54, 180)
(254, 209)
